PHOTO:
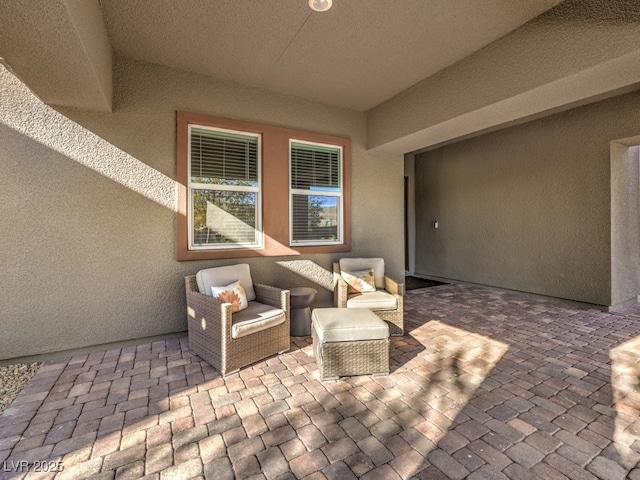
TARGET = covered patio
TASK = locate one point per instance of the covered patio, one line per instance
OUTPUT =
(485, 143)
(486, 383)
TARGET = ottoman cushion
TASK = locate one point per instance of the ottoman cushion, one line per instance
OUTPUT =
(348, 325)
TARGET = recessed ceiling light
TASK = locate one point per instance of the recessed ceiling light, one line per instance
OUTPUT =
(320, 5)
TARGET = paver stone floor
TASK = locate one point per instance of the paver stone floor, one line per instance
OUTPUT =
(485, 384)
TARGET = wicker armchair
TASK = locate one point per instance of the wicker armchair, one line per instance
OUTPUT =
(230, 341)
(386, 301)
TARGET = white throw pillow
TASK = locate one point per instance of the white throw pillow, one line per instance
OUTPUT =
(350, 264)
(234, 294)
(360, 281)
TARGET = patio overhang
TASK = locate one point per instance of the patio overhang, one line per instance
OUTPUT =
(572, 55)
(60, 50)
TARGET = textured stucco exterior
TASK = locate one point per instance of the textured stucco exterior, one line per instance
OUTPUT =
(529, 208)
(89, 248)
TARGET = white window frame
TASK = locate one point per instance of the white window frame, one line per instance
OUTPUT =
(191, 186)
(325, 193)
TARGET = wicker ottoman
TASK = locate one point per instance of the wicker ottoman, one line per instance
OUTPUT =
(349, 341)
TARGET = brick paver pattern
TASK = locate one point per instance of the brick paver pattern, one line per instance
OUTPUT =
(485, 384)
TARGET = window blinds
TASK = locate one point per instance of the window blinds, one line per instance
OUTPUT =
(223, 157)
(316, 193)
(314, 167)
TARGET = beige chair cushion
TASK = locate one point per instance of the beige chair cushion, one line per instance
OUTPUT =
(255, 318)
(359, 264)
(378, 300)
(221, 276)
(348, 325)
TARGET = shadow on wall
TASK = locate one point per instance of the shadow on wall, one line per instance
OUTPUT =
(25, 113)
(308, 273)
(83, 217)
(311, 271)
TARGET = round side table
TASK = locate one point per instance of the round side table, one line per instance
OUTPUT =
(301, 298)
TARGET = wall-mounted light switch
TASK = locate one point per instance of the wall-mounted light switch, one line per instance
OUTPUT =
(435, 224)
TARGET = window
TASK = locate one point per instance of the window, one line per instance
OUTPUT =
(224, 189)
(316, 194)
(248, 189)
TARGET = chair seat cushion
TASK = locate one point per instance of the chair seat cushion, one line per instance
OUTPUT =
(255, 318)
(348, 325)
(378, 300)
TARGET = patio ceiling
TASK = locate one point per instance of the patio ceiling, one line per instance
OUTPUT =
(356, 55)
(424, 71)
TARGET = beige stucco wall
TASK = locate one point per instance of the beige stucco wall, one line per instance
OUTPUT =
(526, 208)
(88, 241)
